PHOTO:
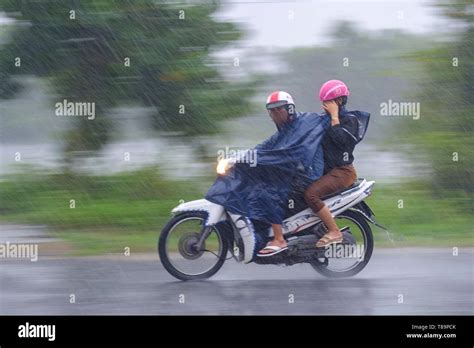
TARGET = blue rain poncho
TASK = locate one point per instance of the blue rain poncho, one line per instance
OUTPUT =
(260, 191)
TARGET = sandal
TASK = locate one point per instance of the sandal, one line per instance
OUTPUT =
(275, 250)
(326, 240)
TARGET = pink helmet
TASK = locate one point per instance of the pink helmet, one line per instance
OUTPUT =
(332, 89)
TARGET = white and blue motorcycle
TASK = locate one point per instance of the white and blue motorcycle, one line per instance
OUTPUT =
(202, 235)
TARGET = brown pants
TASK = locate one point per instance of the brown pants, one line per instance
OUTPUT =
(336, 179)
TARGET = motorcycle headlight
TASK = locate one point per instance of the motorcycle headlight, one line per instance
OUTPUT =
(223, 166)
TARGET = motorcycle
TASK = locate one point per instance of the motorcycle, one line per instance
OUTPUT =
(196, 242)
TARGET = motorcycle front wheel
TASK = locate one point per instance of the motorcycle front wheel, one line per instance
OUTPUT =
(176, 248)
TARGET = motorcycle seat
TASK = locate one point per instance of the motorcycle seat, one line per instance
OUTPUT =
(297, 196)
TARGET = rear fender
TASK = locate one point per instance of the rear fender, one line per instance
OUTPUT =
(368, 214)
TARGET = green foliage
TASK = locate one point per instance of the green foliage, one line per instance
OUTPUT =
(444, 133)
(415, 217)
(134, 201)
(113, 53)
(131, 209)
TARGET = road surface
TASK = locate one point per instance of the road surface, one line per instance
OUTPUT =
(403, 281)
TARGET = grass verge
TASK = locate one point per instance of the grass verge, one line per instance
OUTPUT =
(106, 214)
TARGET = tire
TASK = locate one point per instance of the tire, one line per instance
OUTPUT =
(164, 257)
(359, 219)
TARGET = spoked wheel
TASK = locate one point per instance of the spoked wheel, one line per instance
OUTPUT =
(346, 260)
(178, 252)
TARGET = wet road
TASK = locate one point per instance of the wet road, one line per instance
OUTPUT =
(396, 281)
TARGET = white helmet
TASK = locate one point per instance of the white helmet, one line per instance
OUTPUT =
(280, 98)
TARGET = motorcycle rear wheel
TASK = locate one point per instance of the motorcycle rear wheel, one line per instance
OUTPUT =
(322, 265)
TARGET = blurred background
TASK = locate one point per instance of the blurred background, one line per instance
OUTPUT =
(173, 83)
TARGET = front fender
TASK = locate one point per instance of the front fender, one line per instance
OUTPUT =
(215, 212)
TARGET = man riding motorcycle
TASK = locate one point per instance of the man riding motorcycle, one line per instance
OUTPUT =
(292, 153)
(281, 107)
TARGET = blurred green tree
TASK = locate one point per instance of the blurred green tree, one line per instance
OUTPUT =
(445, 129)
(116, 52)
